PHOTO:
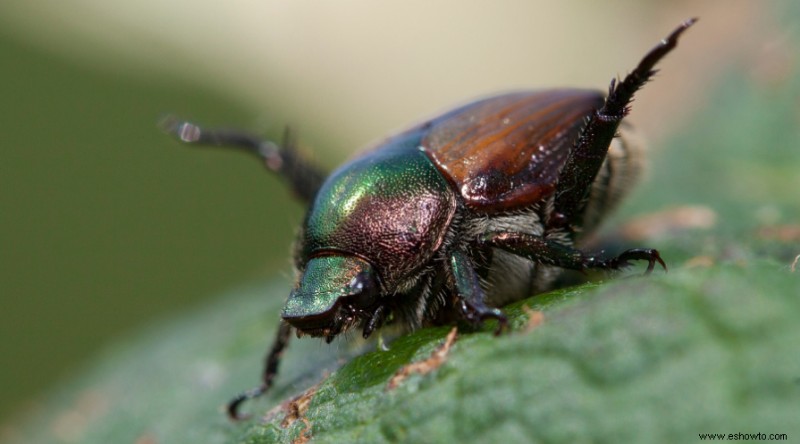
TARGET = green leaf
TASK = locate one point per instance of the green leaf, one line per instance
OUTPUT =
(637, 360)
(699, 350)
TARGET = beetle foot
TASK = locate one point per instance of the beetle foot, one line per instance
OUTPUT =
(623, 260)
(375, 321)
(475, 314)
(232, 408)
(502, 325)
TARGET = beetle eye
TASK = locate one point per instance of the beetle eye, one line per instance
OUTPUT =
(361, 290)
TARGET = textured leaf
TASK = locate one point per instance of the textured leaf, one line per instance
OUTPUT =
(701, 350)
(711, 350)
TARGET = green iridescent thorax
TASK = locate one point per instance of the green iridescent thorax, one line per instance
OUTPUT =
(390, 206)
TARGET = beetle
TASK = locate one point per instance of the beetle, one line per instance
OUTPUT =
(456, 216)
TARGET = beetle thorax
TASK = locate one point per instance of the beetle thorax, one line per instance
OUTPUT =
(391, 209)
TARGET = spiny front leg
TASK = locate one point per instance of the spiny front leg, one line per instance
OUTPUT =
(470, 295)
(549, 252)
(271, 362)
(304, 178)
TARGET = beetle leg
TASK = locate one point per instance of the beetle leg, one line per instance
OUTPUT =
(375, 320)
(304, 178)
(544, 251)
(471, 298)
(586, 157)
(623, 260)
(271, 363)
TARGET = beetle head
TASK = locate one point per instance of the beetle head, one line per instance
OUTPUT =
(334, 293)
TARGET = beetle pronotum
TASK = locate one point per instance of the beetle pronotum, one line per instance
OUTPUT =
(453, 217)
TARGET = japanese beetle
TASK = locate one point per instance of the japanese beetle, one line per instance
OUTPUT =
(456, 216)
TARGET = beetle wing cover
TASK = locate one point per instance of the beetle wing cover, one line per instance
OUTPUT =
(506, 152)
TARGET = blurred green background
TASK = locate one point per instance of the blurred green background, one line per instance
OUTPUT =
(105, 221)
(106, 224)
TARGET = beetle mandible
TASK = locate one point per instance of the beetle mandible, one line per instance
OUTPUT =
(453, 217)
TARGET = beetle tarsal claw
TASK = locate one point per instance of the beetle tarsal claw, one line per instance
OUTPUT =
(232, 408)
(650, 255)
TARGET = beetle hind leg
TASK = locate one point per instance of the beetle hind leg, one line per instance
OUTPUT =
(589, 152)
(304, 178)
